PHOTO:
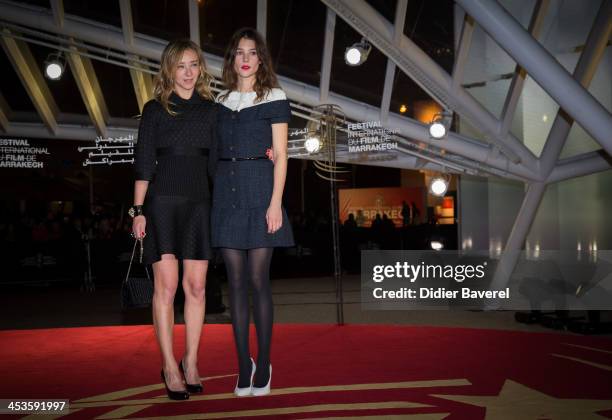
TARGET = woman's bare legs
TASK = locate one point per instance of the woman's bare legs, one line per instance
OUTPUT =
(194, 286)
(165, 273)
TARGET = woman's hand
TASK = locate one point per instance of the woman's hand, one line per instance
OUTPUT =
(138, 227)
(274, 218)
(270, 154)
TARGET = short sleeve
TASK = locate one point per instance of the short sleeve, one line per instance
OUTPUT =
(276, 107)
(144, 158)
(280, 112)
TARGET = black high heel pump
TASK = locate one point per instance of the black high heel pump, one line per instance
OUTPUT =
(191, 388)
(174, 395)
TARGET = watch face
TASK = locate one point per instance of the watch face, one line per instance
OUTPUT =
(131, 212)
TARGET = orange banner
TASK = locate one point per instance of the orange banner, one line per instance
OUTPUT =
(366, 203)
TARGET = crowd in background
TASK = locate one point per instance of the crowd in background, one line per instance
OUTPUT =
(66, 246)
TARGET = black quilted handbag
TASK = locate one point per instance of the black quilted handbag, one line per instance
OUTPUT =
(136, 292)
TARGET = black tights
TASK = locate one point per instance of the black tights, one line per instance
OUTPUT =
(244, 266)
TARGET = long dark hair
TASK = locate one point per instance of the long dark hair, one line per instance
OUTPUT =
(265, 78)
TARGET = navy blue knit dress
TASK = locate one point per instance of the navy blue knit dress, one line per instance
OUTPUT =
(174, 153)
(243, 188)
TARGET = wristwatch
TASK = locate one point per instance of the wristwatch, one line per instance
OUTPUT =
(135, 211)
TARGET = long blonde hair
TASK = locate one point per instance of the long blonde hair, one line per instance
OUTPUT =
(164, 80)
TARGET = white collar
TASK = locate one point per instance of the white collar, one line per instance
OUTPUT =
(237, 101)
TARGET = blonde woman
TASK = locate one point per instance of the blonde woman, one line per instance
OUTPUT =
(172, 202)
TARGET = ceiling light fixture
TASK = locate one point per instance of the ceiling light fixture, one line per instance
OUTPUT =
(54, 66)
(357, 54)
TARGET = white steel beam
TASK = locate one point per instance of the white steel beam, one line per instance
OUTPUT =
(101, 34)
(262, 17)
(328, 50)
(194, 21)
(544, 68)
(80, 132)
(584, 72)
(65, 131)
(57, 7)
(127, 22)
(520, 229)
(463, 51)
(83, 29)
(143, 86)
(398, 25)
(87, 81)
(586, 164)
(429, 75)
(142, 81)
(453, 143)
(4, 113)
(518, 79)
(32, 79)
(385, 103)
(582, 165)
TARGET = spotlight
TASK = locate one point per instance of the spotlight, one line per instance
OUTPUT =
(436, 245)
(403, 109)
(312, 144)
(439, 125)
(54, 66)
(437, 130)
(357, 54)
(438, 186)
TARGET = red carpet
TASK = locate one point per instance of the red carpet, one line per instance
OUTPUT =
(321, 371)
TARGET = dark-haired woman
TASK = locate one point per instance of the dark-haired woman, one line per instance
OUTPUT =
(248, 219)
(172, 202)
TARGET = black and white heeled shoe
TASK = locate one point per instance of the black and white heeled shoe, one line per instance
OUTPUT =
(243, 392)
(258, 392)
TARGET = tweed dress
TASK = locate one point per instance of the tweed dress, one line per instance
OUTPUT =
(176, 154)
(243, 189)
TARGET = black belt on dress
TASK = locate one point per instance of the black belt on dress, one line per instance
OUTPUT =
(235, 159)
(181, 151)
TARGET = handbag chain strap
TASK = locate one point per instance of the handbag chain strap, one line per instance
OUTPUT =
(127, 276)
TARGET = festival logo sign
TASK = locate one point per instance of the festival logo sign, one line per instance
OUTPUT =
(110, 151)
(22, 154)
(370, 136)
